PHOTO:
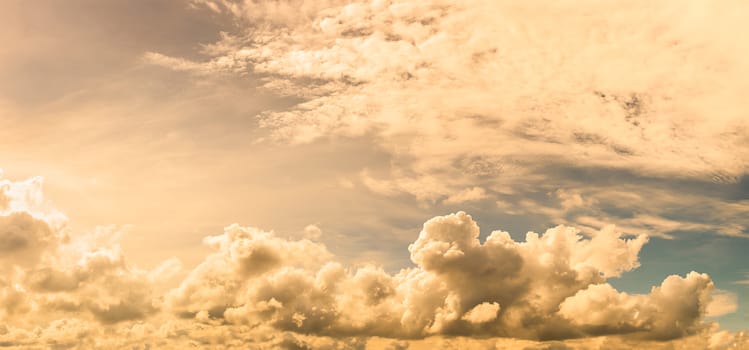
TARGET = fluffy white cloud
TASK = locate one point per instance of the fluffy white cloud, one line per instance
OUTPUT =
(600, 309)
(257, 289)
(551, 286)
(243, 253)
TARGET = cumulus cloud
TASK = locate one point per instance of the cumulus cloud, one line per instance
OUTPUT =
(551, 286)
(600, 309)
(258, 289)
(242, 253)
(53, 273)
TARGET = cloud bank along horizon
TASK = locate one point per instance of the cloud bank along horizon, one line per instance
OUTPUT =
(258, 289)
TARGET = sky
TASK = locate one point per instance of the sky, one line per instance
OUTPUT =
(374, 174)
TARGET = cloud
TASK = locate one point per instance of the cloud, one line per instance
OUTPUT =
(448, 80)
(723, 302)
(552, 286)
(53, 273)
(466, 195)
(171, 62)
(464, 102)
(312, 232)
(601, 309)
(471, 106)
(258, 289)
(634, 208)
(242, 253)
(23, 238)
(26, 196)
(663, 211)
(483, 312)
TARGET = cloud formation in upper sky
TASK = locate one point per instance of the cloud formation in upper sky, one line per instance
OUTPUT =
(651, 87)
